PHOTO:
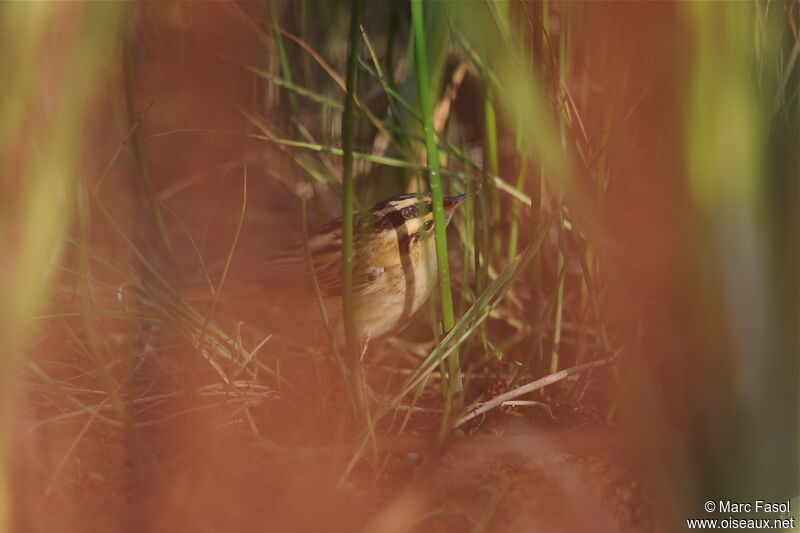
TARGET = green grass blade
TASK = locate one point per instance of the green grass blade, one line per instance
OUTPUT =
(348, 197)
(434, 179)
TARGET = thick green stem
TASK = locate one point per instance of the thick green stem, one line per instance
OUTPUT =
(434, 178)
(348, 134)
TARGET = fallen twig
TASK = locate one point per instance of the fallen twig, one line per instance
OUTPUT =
(529, 387)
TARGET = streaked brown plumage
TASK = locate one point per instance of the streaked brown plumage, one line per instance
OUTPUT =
(394, 272)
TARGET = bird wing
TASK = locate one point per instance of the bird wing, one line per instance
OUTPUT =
(292, 265)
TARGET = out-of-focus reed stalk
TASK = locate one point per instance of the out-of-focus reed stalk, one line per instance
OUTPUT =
(734, 141)
(40, 148)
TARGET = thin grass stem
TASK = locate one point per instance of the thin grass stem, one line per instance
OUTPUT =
(491, 162)
(284, 60)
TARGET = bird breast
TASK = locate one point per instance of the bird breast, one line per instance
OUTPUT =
(395, 288)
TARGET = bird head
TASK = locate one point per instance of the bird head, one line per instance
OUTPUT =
(409, 217)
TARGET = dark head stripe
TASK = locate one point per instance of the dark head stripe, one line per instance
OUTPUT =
(388, 220)
(393, 213)
(403, 199)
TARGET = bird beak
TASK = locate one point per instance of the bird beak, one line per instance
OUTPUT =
(451, 202)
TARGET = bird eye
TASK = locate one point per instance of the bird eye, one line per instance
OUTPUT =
(428, 225)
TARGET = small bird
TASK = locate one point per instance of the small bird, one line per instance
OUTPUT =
(394, 271)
